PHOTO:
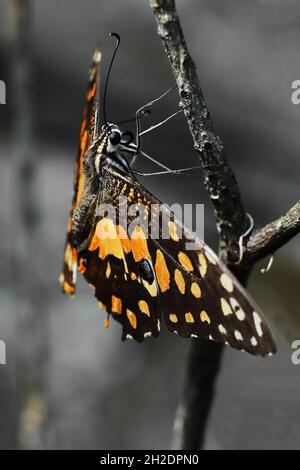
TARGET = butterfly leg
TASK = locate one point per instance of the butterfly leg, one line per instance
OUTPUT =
(166, 169)
(144, 154)
(166, 172)
(151, 128)
(138, 120)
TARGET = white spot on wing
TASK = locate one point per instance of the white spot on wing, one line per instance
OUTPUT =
(222, 329)
(238, 335)
(253, 341)
(226, 309)
(226, 282)
(74, 273)
(257, 323)
(237, 309)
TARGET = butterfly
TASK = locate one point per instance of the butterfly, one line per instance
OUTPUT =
(141, 279)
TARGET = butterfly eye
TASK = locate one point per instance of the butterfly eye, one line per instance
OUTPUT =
(114, 138)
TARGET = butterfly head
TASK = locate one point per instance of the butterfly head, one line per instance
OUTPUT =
(112, 137)
(118, 141)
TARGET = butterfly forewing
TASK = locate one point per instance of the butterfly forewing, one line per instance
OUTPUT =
(88, 133)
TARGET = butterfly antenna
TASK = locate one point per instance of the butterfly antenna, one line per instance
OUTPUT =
(108, 74)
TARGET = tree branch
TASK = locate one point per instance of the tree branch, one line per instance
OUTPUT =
(232, 221)
(273, 236)
(192, 414)
(219, 179)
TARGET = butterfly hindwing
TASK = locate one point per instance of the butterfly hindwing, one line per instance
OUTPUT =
(88, 133)
(108, 264)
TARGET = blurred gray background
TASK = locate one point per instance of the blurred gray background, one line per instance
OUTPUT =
(69, 383)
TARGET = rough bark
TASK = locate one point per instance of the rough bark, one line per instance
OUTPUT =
(231, 219)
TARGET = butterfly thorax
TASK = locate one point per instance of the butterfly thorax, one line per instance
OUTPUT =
(105, 154)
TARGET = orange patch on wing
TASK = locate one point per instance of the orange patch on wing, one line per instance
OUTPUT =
(106, 239)
(81, 266)
(189, 318)
(81, 175)
(83, 126)
(70, 256)
(204, 317)
(100, 304)
(106, 323)
(180, 282)
(116, 304)
(185, 261)
(69, 227)
(203, 264)
(74, 254)
(139, 244)
(162, 272)
(92, 92)
(173, 318)
(195, 290)
(83, 145)
(108, 270)
(173, 231)
(131, 317)
(68, 288)
(133, 276)
(144, 307)
(124, 238)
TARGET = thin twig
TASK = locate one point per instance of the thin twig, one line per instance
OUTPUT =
(273, 236)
